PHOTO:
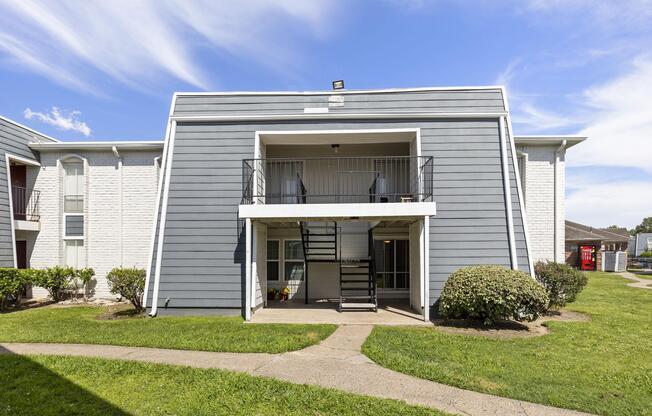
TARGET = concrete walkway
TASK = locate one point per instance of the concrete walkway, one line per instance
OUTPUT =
(639, 282)
(336, 363)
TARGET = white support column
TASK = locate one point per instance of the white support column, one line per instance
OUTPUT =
(248, 273)
(426, 268)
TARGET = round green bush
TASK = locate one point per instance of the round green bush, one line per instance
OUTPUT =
(562, 282)
(489, 293)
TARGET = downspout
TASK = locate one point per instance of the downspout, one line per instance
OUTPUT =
(556, 233)
(114, 149)
(525, 157)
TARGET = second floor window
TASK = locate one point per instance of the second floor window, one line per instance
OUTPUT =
(73, 187)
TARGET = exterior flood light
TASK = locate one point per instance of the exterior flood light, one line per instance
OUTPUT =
(338, 85)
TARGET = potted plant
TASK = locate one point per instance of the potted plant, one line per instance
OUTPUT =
(285, 294)
(272, 293)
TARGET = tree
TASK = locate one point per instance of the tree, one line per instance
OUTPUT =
(644, 227)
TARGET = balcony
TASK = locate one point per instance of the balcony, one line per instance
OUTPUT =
(338, 180)
(26, 206)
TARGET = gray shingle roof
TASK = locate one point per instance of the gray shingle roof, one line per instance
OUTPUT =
(580, 232)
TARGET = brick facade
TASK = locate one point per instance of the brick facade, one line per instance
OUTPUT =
(538, 178)
(118, 212)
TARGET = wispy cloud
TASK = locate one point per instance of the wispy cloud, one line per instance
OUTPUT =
(139, 42)
(507, 75)
(603, 204)
(620, 129)
(61, 119)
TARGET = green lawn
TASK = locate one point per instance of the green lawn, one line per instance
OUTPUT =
(603, 366)
(50, 385)
(78, 325)
(647, 276)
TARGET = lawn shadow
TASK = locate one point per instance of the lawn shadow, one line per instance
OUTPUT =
(29, 388)
(28, 304)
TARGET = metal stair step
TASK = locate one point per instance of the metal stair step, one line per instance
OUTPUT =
(358, 305)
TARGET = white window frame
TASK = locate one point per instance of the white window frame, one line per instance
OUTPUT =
(73, 158)
(278, 260)
(291, 261)
(395, 273)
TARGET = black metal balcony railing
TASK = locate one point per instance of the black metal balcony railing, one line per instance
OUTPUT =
(25, 203)
(337, 180)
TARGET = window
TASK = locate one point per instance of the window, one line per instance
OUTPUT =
(392, 264)
(281, 182)
(293, 264)
(74, 253)
(73, 187)
(273, 263)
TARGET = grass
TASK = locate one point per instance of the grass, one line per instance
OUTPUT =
(647, 276)
(603, 366)
(51, 385)
(79, 325)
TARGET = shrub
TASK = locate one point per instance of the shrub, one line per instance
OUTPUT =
(562, 282)
(12, 284)
(84, 278)
(646, 254)
(128, 282)
(56, 280)
(489, 293)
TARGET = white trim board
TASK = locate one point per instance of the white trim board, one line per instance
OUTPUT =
(341, 116)
(97, 145)
(299, 212)
(343, 91)
(8, 157)
(357, 136)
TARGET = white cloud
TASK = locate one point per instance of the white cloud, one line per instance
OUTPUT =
(604, 204)
(532, 117)
(620, 130)
(138, 42)
(61, 119)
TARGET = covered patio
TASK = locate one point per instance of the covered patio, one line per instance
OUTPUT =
(325, 312)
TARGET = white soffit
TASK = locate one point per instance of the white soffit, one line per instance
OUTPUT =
(341, 136)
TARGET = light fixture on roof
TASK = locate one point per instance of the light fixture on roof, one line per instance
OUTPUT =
(338, 85)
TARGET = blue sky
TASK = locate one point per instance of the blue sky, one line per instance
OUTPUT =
(99, 70)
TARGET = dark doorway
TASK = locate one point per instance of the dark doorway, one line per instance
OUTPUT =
(19, 191)
(21, 254)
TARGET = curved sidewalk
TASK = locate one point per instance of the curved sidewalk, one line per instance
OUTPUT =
(335, 363)
(640, 283)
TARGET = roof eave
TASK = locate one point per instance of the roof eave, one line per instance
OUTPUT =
(135, 145)
(571, 140)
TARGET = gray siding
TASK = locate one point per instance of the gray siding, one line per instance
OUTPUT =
(13, 140)
(203, 247)
(446, 101)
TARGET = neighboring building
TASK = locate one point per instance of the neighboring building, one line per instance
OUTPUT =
(589, 248)
(640, 243)
(78, 204)
(542, 165)
(356, 197)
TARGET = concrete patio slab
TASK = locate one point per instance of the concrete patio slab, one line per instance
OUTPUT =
(327, 313)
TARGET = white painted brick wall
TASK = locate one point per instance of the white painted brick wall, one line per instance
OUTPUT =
(116, 234)
(539, 201)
